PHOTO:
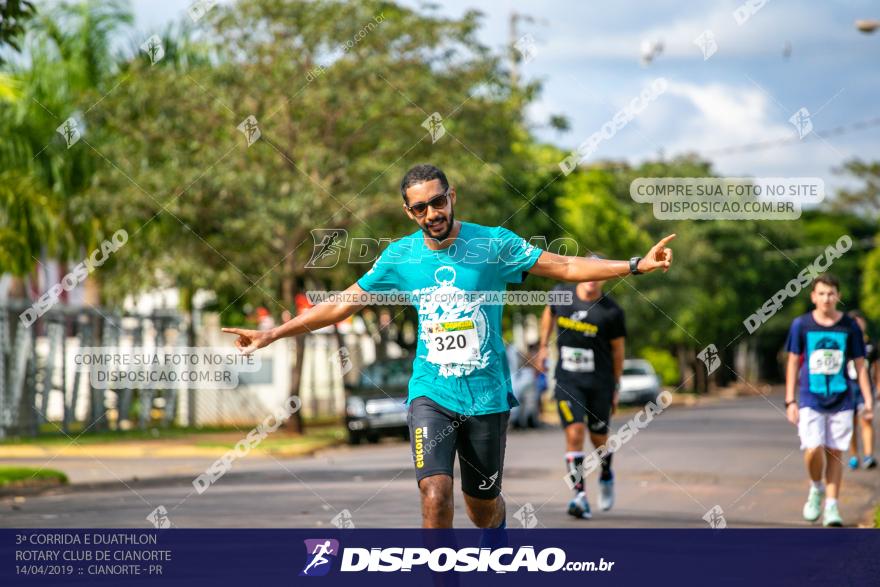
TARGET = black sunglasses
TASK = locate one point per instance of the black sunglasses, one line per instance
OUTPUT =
(438, 202)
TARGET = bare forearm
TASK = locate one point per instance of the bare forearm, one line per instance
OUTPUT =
(599, 268)
(315, 318)
(578, 269)
(791, 376)
(336, 309)
(864, 382)
(546, 327)
(618, 362)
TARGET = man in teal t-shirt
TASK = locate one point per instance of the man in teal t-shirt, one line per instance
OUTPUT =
(460, 361)
(455, 274)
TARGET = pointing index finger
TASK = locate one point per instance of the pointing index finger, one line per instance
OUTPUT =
(666, 239)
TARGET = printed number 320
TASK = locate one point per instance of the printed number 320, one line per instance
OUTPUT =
(451, 341)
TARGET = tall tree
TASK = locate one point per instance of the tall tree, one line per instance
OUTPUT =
(64, 72)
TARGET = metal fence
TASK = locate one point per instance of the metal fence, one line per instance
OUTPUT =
(40, 390)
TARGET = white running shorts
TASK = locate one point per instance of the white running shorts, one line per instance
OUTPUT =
(831, 429)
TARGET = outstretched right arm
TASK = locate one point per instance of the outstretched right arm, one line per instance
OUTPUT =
(324, 314)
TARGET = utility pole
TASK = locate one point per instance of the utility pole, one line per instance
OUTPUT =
(512, 53)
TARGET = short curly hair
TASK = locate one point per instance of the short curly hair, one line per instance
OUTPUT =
(420, 174)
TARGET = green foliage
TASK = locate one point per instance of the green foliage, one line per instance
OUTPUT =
(340, 122)
(599, 219)
(13, 16)
(871, 284)
(24, 476)
(29, 222)
(44, 210)
(864, 200)
(340, 91)
(664, 364)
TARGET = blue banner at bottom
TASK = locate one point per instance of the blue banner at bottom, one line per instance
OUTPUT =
(444, 557)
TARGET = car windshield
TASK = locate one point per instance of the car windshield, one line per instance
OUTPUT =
(387, 374)
(636, 370)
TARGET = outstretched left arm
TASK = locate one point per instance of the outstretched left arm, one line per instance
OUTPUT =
(577, 269)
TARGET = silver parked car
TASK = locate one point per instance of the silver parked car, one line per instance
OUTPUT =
(638, 383)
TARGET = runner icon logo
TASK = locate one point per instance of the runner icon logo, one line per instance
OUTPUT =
(710, 357)
(343, 520)
(327, 247)
(715, 518)
(159, 518)
(320, 553)
(526, 516)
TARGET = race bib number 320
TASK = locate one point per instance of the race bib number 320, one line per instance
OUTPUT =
(453, 342)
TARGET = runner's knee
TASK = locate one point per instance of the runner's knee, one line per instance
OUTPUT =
(484, 513)
(436, 491)
(575, 432)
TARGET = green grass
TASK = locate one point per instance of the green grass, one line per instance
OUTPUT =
(877, 516)
(53, 436)
(281, 440)
(22, 476)
(50, 435)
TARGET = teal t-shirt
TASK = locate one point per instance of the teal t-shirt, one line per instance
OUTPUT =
(460, 360)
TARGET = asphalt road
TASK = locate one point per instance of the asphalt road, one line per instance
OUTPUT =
(740, 455)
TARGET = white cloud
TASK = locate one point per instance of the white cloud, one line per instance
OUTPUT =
(765, 33)
(705, 118)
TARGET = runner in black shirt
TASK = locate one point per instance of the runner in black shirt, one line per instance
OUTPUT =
(591, 334)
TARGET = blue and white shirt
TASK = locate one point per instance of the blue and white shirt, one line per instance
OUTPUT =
(824, 352)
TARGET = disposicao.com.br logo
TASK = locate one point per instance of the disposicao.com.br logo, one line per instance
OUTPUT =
(470, 559)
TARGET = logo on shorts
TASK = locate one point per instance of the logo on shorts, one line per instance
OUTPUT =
(597, 426)
(320, 553)
(492, 480)
(421, 433)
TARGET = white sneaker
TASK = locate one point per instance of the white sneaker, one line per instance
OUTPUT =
(813, 507)
(606, 494)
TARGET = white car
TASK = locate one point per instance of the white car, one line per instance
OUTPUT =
(639, 382)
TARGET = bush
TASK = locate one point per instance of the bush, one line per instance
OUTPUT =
(664, 364)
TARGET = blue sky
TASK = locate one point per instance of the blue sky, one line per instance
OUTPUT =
(587, 57)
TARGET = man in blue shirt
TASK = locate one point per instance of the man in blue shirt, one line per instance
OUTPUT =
(819, 345)
(460, 393)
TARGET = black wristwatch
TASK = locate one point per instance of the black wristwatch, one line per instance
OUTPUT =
(634, 265)
(788, 403)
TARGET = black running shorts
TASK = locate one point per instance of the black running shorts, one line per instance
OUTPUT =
(578, 403)
(437, 434)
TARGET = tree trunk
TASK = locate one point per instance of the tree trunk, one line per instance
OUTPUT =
(189, 309)
(684, 367)
(701, 373)
(289, 289)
